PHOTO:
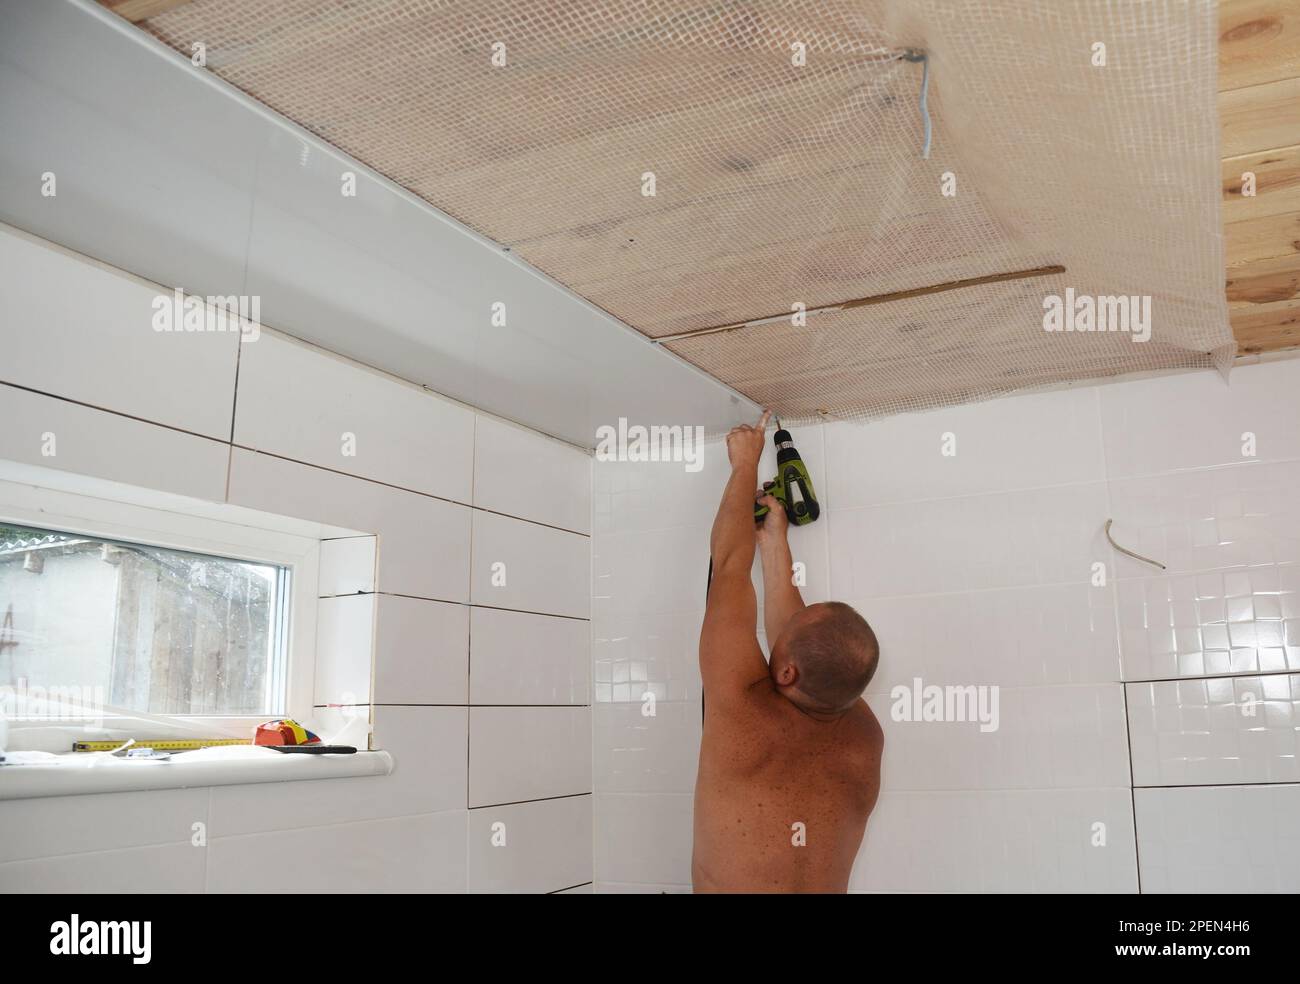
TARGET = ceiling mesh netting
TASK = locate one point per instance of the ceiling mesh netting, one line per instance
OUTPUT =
(782, 180)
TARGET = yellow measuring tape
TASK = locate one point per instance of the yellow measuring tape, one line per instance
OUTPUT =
(180, 745)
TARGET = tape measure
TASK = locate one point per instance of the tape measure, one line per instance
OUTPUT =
(180, 745)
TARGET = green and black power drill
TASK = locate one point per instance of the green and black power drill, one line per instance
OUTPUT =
(792, 487)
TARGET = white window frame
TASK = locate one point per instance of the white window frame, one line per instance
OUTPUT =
(199, 528)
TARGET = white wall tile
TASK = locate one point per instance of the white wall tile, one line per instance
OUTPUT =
(85, 332)
(1063, 633)
(1212, 731)
(1213, 623)
(1219, 839)
(650, 572)
(404, 854)
(428, 745)
(587, 889)
(520, 658)
(544, 846)
(166, 868)
(638, 654)
(526, 753)
(345, 645)
(1194, 420)
(421, 651)
(522, 473)
(430, 757)
(36, 828)
(644, 839)
(653, 495)
(640, 754)
(634, 888)
(1240, 516)
(999, 841)
(1031, 441)
(299, 401)
(423, 542)
(106, 445)
(1046, 738)
(347, 566)
(1045, 536)
(546, 570)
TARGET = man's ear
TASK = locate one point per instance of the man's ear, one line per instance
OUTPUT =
(787, 673)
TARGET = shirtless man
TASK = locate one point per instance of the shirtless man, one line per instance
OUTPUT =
(788, 743)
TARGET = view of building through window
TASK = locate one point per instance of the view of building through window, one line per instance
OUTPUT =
(140, 628)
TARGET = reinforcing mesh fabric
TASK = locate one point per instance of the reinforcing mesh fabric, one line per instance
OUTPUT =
(689, 165)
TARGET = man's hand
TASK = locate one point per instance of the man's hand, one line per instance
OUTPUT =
(772, 527)
(745, 443)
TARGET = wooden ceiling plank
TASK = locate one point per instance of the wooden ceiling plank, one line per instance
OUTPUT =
(1264, 282)
(1266, 238)
(1259, 41)
(1261, 117)
(1277, 184)
(1270, 329)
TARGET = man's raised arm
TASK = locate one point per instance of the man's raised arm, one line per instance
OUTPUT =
(730, 659)
(732, 541)
(781, 599)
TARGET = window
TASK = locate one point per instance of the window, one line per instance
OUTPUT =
(135, 627)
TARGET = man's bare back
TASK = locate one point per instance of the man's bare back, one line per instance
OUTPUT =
(790, 758)
(782, 799)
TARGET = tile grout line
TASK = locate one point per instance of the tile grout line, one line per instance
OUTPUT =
(469, 620)
(569, 888)
(402, 488)
(591, 656)
(1222, 785)
(233, 446)
(449, 601)
(1119, 646)
(116, 413)
(538, 799)
(207, 823)
(1132, 790)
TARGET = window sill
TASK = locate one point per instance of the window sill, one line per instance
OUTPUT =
(76, 774)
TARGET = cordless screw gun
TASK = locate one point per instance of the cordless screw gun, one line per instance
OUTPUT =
(792, 487)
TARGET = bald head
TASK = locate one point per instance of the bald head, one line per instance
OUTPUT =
(834, 652)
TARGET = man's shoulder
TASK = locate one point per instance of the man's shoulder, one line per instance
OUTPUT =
(869, 722)
(860, 741)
